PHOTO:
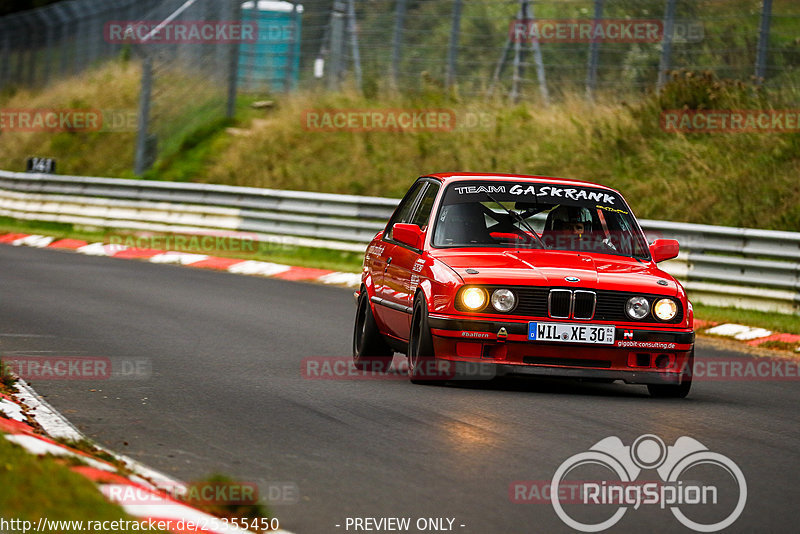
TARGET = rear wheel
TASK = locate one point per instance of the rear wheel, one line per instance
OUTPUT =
(421, 357)
(670, 391)
(370, 351)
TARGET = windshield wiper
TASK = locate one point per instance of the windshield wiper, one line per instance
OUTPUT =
(517, 217)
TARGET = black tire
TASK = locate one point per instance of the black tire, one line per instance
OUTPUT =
(664, 391)
(370, 351)
(421, 357)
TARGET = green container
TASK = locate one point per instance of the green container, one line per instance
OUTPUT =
(272, 63)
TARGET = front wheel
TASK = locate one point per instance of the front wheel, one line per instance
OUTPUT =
(670, 391)
(370, 351)
(421, 357)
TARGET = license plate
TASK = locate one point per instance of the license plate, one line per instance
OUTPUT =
(571, 333)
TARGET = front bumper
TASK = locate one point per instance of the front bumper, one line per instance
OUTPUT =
(496, 348)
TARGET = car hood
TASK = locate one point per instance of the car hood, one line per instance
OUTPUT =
(551, 268)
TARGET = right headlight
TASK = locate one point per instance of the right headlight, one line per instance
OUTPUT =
(637, 308)
(665, 309)
(503, 300)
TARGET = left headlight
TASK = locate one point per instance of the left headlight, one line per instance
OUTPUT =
(503, 300)
(665, 309)
(473, 298)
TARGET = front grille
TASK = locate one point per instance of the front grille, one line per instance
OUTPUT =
(611, 307)
(584, 303)
(560, 303)
(531, 301)
(555, 303)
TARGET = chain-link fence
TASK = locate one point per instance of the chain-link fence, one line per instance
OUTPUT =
(189, 51)
(63, 39)
(535, 50)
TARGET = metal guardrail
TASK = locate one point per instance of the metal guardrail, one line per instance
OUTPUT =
(749, 268)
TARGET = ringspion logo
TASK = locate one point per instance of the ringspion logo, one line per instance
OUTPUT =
(682, 487)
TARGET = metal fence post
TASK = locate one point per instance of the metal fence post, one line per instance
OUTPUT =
(666, 44)
(397, 41)
(763, 41)
(352, 29)
(516, 76)
(288, 83)
(5, 59)
(65, 21)
(35, 45)
(50, 49)
(537, 59)
(234, 12)
(594, 52)
(337, 45)
(452, 52)
(141, 163)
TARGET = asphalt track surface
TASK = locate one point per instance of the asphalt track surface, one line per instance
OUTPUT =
(226, 394)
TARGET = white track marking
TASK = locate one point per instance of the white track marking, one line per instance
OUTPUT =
(348, 279)
(180, 258)
(262, 268)
(12, 410)
(101, 249)
(48, 418)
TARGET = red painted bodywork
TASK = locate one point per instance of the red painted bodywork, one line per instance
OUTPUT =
(438, 273)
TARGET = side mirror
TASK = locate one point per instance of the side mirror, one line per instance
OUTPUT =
(408, 234)
(664, 249)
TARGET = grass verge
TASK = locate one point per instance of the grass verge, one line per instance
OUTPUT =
(777, 322)
(34, 487)
(732, 179)
(334, 260)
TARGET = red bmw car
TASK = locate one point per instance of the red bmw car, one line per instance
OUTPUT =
(509, 274)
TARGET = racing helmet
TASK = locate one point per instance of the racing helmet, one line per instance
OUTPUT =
(570, 218)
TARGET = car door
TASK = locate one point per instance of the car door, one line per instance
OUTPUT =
(380, 258)
(402, 274)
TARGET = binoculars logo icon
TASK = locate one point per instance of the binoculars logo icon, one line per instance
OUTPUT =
(649, 452)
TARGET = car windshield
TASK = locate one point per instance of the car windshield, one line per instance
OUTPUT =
(537, 215)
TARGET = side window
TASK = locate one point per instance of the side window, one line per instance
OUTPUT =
(423, 213)
(405, 209)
